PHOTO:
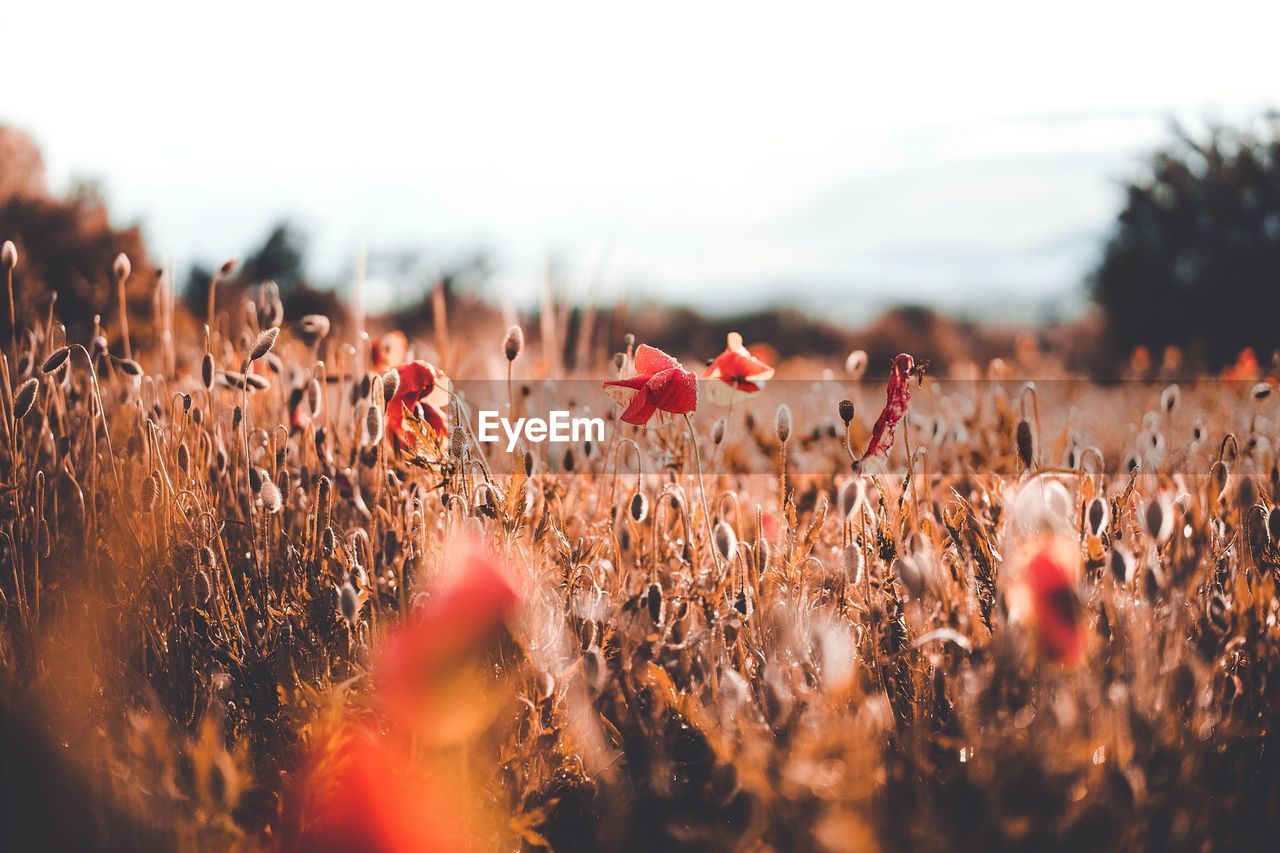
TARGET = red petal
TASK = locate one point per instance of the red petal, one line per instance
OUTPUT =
(674, 391)
(640, 410)
(651, 360)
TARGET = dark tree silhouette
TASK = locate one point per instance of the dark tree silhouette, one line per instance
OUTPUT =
(1195, 256)
(66, 246)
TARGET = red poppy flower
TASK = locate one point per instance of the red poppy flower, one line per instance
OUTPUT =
(897, 398)
(363, 793)
(423, 392)
(414, 665)
(658, 388)
(739, 372)
(1055, 607)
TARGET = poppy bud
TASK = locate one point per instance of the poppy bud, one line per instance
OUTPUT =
(718, 430)
(653, 598)
(122, 268)
(1121, 565)
(782, 423)
(726, 541)
(513, 343)
(1026, 443)
(9, 256)
(348, 604)
(25, 398)
(56, 360)
(639, 507)
(272, 500)
(206, 371)
(1158, 518)
(265, 342)
(1098, 514)
(851, 563)
(313, 327)
(856, 364)
(390, 383)
(846, 411)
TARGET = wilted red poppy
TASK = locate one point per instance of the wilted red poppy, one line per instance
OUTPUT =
(659, 388)
(416, 660)
(423, 392)
(1055, 607)
(739, 372)
(897, 399)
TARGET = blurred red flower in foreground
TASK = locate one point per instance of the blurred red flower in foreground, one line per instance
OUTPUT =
(365, 794)
(738, 370)
(658, 387)
(459, 620)
(1054, 607)
(369, 790)
(423, 392)
(897, 398)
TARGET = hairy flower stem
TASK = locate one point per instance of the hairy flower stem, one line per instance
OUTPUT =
(702, 490)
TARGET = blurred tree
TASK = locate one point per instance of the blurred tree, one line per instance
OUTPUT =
(1194, 259)
(67, 245)
(279, 258)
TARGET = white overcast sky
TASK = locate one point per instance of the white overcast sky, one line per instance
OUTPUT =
(720, 154)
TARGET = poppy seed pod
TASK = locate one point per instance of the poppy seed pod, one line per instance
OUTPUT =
(9, 256)
(782, 423)
(846, 411)
(206, 371)
(513, 343)
(1169, 398)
